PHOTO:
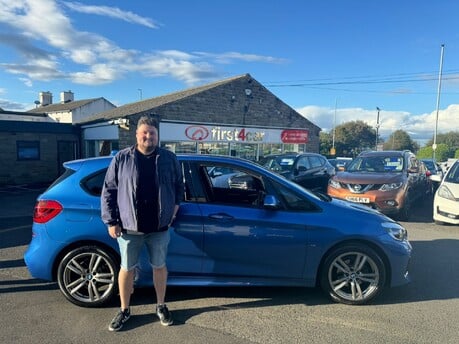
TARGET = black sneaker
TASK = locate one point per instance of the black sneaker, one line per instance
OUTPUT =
(164, 315)
(119, 320)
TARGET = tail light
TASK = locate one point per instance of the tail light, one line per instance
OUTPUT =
(46, 210)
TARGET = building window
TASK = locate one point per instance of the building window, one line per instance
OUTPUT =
(95, 148)
(28, 150)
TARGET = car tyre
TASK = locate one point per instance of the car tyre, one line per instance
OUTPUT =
(353, 274)
(87, 276)
(405, 212)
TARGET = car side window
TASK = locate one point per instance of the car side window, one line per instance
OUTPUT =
(235, 186)
(93, 183)
(316, 161)
(292, 200)
(303, 163)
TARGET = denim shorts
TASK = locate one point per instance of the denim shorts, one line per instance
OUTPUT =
(132, 244)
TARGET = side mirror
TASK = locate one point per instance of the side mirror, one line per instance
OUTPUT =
(435, 178)
(271, 202)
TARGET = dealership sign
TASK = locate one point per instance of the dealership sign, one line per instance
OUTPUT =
(206, 133)
(294, 136)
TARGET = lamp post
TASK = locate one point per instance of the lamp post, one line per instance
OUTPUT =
(377, 127)
(140, 93)
(434, 146)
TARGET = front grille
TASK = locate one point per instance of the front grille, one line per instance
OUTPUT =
(362, 188)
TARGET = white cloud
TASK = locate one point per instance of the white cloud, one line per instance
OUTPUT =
(420, 127)
(90, 59)
(229, 57)
(27, 82)
(112, 12)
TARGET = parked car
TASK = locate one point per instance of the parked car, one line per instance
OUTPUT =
(389, 181)
(339, 163)
(446, 199)
(435, 170)
(271, 232)
(309, 170)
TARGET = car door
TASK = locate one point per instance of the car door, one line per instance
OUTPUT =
(311, 172)
(185, 253)
(242, 239)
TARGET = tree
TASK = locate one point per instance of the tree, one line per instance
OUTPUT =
(442, 152)
(353, 137)
(451, 139)
(400, 140)
(326, 143)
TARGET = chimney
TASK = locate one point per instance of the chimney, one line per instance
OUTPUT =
(46, 98)
(66, 96)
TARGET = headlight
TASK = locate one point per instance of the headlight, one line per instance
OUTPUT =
(395, 230)
(391, 186)
(444, 192)
(335, 184)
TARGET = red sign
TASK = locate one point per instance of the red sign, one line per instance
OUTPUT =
(294, 136)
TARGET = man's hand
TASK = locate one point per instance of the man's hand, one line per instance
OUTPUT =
(114, 231)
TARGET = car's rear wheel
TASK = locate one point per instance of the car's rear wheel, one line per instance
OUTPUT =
(87, 276)
(353, 274)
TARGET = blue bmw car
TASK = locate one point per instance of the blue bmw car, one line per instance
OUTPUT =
(245, 227)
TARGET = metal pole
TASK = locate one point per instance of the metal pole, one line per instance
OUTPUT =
(434, 146)
(377, 127)
(334, 125)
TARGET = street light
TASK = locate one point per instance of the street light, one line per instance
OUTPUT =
(140, 93)
(377, 127)
(440, 72)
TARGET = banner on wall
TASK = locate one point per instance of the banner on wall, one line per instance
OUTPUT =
(216, 133)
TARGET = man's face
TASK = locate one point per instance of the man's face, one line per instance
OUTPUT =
(147, 138)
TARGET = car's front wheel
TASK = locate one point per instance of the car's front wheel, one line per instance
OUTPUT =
(87, 276)
(353, 274)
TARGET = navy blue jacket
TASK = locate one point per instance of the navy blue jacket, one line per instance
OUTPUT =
(118, 199)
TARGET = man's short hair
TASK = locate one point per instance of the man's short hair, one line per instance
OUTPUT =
(147, 120)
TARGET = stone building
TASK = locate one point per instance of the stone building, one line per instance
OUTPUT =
(33, 151)
(35, 143)
(236, 116)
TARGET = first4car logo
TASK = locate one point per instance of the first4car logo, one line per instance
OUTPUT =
(196, 133)
(200, 133)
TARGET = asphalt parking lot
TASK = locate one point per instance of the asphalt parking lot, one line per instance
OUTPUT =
(425, 311)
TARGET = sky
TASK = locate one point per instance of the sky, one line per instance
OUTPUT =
(333, 61)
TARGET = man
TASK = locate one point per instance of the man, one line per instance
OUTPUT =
(142, 191)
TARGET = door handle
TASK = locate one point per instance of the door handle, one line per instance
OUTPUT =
(221, 216)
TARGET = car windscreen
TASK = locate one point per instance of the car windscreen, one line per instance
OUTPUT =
(453, 174)
(379, 164)
(279, 164)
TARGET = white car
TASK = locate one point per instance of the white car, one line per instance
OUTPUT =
(446, 200)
